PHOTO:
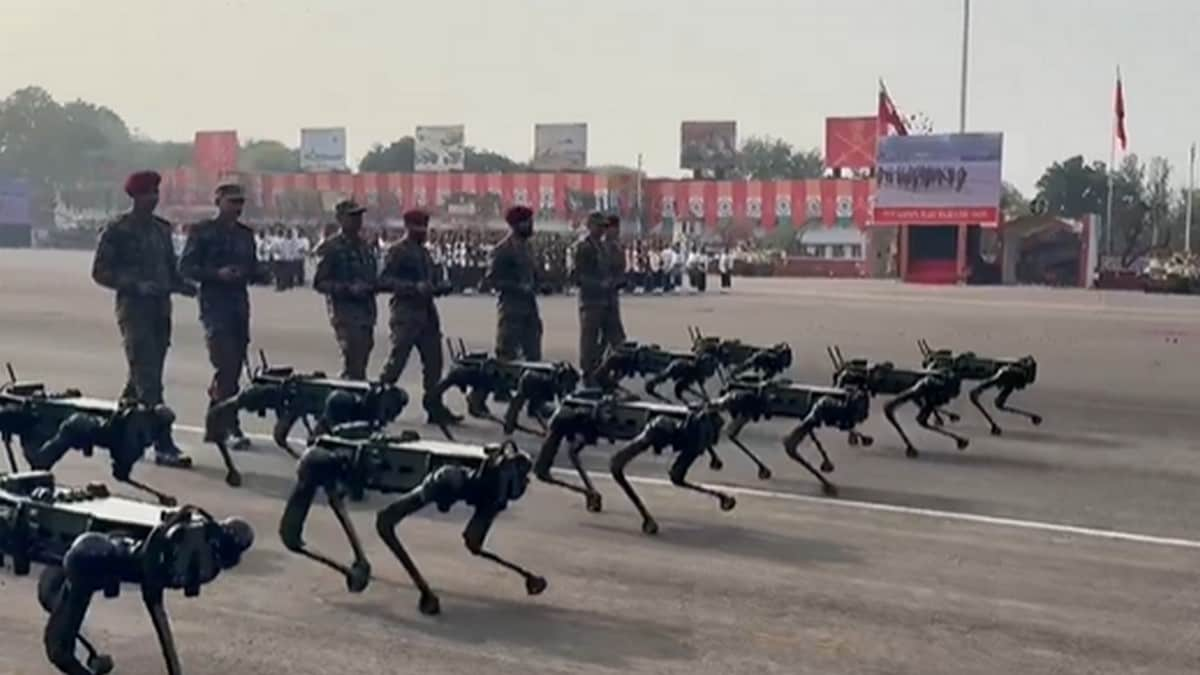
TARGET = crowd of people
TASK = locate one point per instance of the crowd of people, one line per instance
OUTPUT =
(653, 265)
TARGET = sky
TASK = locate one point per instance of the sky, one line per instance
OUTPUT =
(1040, 71)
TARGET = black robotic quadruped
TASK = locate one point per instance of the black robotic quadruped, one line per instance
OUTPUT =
(355, 458)
(91, 541)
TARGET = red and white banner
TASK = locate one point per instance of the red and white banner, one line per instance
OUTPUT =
(559, 196)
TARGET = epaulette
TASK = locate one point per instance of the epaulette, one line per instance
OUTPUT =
(162, 221)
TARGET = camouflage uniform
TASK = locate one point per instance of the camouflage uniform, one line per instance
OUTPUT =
(414, 320)
(345, 261)
(134, 250)
(599, 313)
(513, 273)
(224, 305)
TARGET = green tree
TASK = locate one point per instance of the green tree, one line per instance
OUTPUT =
(1012, 203)
(267, 155)
(1073, 188)
(767, 158)
(398, 156)
(485, 161)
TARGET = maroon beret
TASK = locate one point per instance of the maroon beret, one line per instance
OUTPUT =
(142, 182)
(416, 217)
(517, 215)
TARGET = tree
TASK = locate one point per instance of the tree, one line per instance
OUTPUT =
(1072, 188)
(486, 161)
(265, 155)
(398, 156)
(767, 158)
(1012, 203)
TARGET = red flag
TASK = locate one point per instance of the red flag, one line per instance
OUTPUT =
(888, 115)
(1119, 112)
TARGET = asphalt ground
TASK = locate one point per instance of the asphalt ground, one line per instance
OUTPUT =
(1071, 547)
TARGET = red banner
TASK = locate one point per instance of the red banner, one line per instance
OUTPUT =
(215, 151)
(850, 142)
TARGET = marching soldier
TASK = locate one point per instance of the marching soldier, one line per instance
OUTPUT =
(136, 259)
(408, 274)
(599, 316)
(618, 270)
(221, 255)
(346, 276)
(513, 273)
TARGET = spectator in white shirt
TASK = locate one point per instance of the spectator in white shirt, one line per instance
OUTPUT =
(725, 267)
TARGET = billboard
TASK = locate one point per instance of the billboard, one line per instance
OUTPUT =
(215, 151)
(440, 148)
(708, 145)
(938, 179)
(559, 147)
(850, 142)
(323, 149)
(14, 202)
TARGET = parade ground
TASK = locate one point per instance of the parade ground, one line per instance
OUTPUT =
(1070, 547)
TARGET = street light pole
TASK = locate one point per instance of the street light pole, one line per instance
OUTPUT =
(1191, 191)
(962, 100)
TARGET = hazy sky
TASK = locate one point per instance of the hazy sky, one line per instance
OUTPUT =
(1041, 71)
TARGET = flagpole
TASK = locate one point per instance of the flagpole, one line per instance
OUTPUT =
(962, 97)
(1187, 228)
(1112, 160)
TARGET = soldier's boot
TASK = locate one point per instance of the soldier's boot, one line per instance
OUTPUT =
(166, 453)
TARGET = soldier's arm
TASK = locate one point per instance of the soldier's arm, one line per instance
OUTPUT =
(108, 268)
(588, 275)
(393, 278)
(501, 270)
(193, 263)
(256, 270)
(323, 279)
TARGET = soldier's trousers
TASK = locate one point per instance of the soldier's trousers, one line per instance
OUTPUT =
(519, 337)
(227, 343)
(427, 338)
(599, 328)
(355, 340)
(146, 338)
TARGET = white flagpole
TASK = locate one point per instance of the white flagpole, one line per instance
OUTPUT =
(1187, 228)
(1112, 160)
(962, 97)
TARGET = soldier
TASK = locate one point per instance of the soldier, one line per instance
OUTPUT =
(221, 255)
(599, 313)
(346, 276)
(513, 273)
(408, 274)
(619, 278)
(135, 258)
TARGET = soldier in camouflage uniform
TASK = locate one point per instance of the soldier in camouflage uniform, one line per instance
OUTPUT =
(513, 273)
(616, 266)
(136, 259)
(221, 255)
(599, 311)
(347, 276)
(408, 274)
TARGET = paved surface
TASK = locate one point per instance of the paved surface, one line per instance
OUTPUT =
(1068, 548)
